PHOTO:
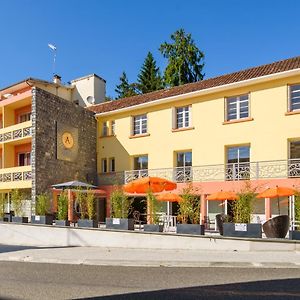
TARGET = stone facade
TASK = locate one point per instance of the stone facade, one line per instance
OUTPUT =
(48, 111)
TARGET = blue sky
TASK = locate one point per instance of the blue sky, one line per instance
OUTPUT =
(107, 37)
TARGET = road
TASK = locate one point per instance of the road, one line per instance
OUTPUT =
(26, 280)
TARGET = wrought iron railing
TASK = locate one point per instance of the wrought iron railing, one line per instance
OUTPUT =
(15, 174)
(228, 172)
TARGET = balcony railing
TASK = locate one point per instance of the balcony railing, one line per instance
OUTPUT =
(229, 172)
(15, 132)
(15, 174)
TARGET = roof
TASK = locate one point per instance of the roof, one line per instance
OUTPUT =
(251, 73)
(87, 76)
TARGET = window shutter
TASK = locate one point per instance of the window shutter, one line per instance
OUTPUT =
(190, 116)
(131, 125)
(173, 117)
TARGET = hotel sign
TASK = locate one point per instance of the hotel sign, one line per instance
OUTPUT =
(67, 142)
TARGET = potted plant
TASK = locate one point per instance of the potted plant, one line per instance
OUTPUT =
(87, 204)
(242, 211)
(43, 210)
(16, 197)
(155, 224)
(62, 210)
(120, 210)
(189, 212)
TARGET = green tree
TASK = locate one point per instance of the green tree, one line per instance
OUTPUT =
(149, 79)
(185, 60)
(125, 89)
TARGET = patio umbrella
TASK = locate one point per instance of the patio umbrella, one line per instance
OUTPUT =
(169, 197)
(223, 196)
(73, 184)
(277, 192)
(149, 184)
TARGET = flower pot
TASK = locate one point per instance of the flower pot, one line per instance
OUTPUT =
(62, 222)
(195, 229)
(247, 230)
(120, 223)
(45, 220)
(153, 228)
(294, 235)
(277, 227)
(20, 219)
(87, 223)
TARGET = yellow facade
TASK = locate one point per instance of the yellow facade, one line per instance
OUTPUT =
(268, 129)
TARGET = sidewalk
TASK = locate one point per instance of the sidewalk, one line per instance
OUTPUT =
(150, 258)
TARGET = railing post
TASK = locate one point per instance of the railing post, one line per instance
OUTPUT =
(233, 171)
(257, 170)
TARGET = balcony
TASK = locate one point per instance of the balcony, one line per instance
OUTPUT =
(15, 132)
(17, 177)
(231, 172)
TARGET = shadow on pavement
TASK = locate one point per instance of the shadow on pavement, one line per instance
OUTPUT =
(12, 248)
(271, 289)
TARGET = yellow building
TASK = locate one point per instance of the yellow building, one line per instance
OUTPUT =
(216, 133)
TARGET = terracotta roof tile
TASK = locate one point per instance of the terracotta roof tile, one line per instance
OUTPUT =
(276, 67)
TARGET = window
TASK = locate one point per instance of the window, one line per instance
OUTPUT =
(140, 162)
(294, 159)
(25, 117)
(104, 165)
(238, 163)
(237, 107)
(104, 129)
(140, 124)
(113, 127)
(184, 166)
(112, 164)
(294, 97)
(183, 117)
(24, 159)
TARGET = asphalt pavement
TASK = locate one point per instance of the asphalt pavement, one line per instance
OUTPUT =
(59, 281)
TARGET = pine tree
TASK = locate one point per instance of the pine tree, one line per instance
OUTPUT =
(185, 60)
(125, 89)
(149, 79)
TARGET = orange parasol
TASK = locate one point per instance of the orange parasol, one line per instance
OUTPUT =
(223, 195)
(276, 192)
(149, 184)
(170, 197)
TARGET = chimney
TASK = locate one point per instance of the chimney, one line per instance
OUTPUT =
(57, 79)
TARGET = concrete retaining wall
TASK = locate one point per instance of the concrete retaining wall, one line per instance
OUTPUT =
(52, 236)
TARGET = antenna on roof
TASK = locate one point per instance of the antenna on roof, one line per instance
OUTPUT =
(53, 48)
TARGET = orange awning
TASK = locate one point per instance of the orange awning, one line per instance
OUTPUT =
(170, 197)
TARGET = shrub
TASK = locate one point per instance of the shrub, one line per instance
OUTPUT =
(43, 204)
(16, 197)
(154, 208)
(2, 204)
(81, 200)
(120, 204)
(90, 205)
(62, 206)
(189, 207)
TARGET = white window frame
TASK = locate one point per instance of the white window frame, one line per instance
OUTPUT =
(113, 127)
(138, 124)
(27, 158)
(290, 106)
(237, 102)
(186, 117)
(111, 169)
(104, 129)
(27, 116)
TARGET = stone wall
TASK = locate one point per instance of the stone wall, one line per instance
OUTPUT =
(49, 110)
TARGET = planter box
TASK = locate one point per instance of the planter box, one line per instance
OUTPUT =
(20, 219)
(87, 223)
(294, 235)
(62, 223)
(8, 216)
(195, 229)
(153, 228)
(45, 220)
(118, 223)
(251, 230)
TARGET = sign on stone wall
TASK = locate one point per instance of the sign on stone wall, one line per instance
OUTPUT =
(67, 142)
